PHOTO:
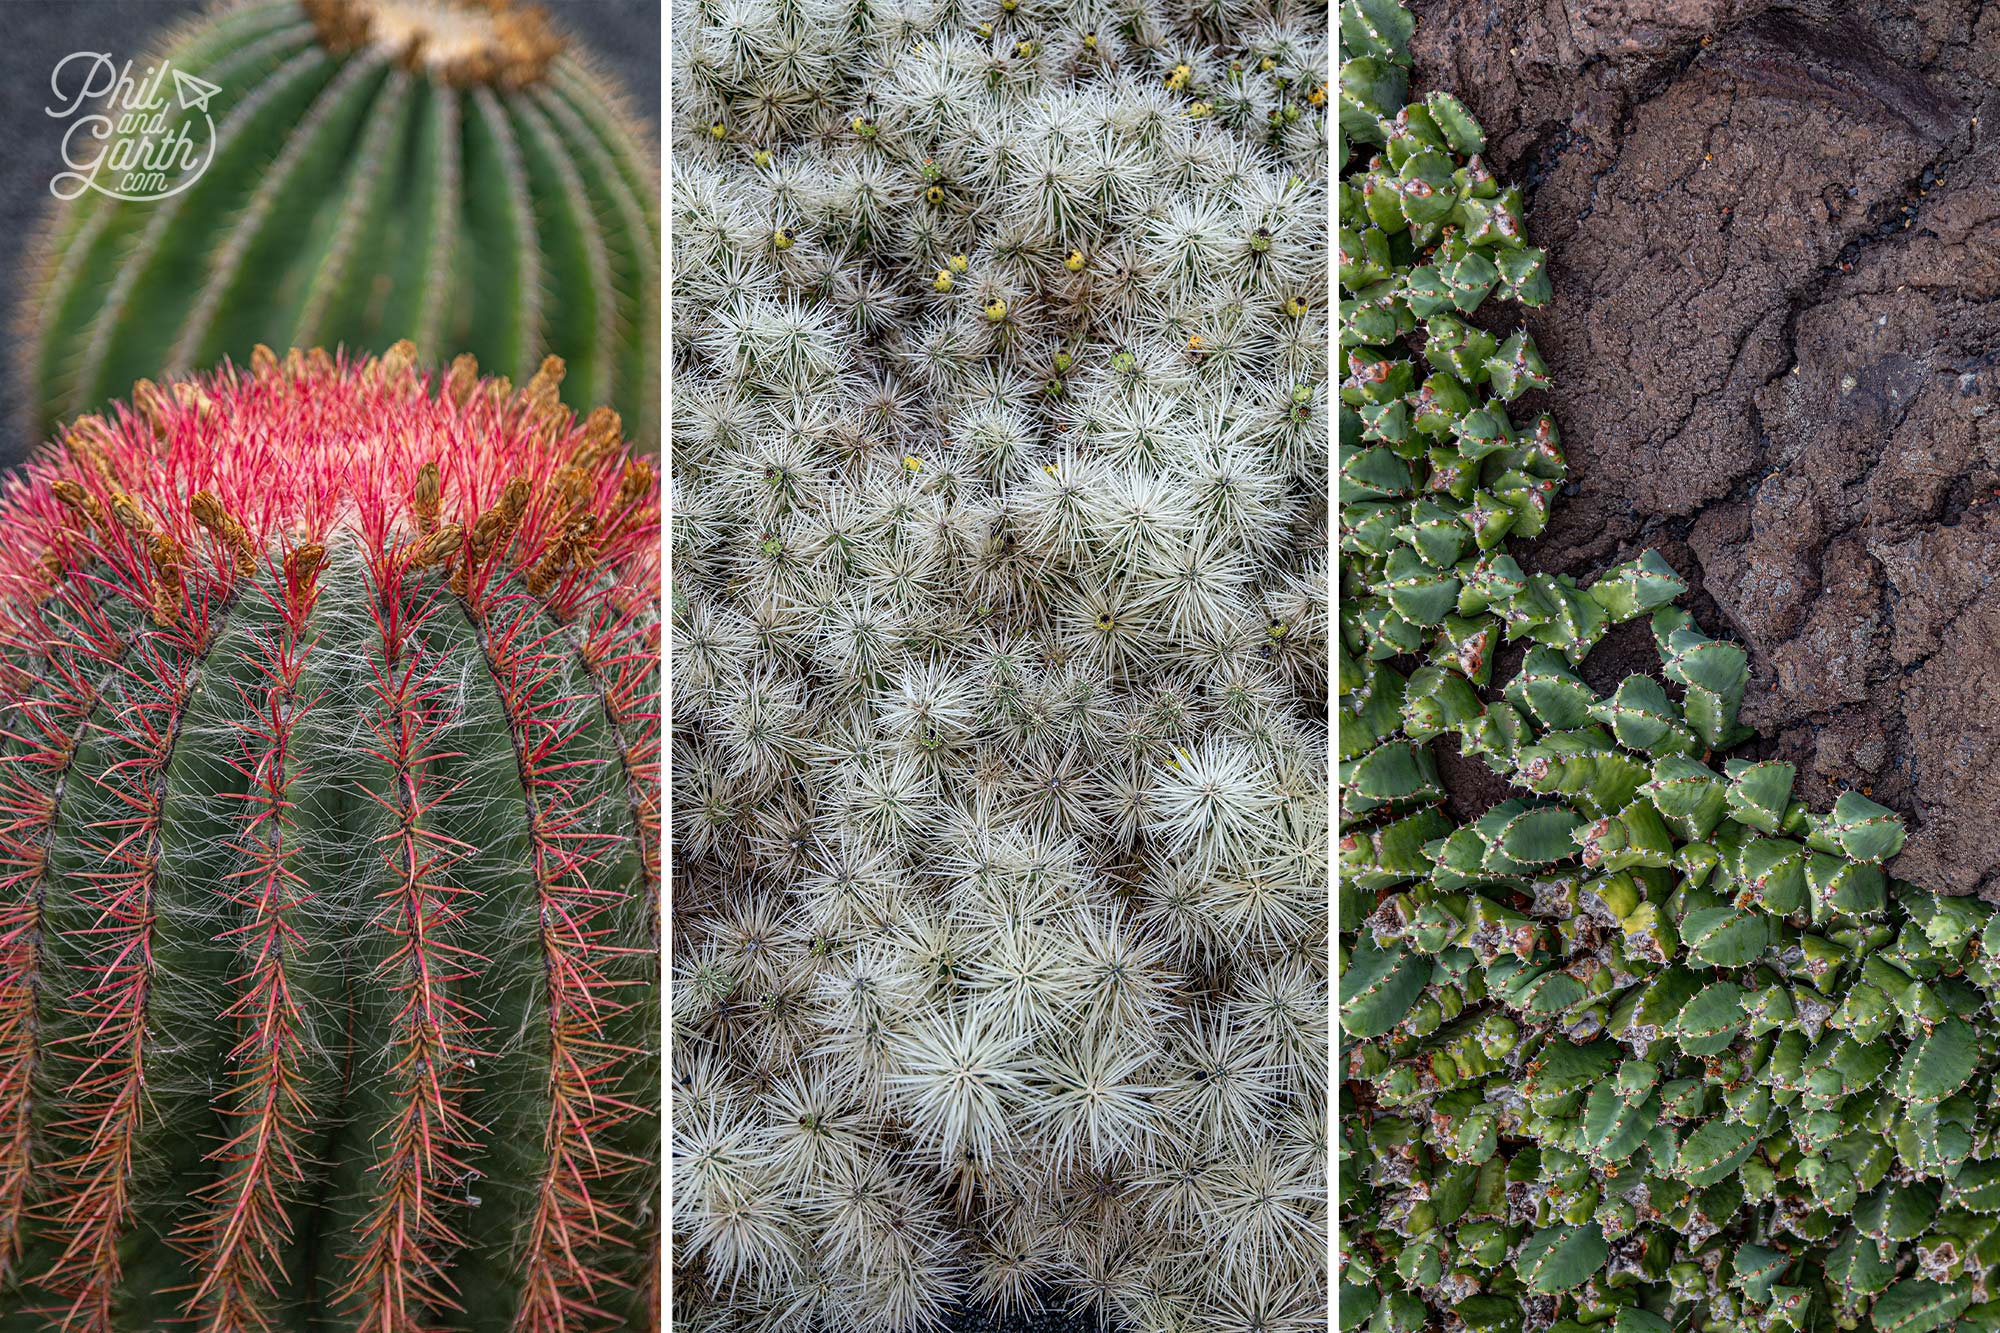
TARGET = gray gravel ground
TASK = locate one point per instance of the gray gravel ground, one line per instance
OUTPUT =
(625, 34)
(970, 1319)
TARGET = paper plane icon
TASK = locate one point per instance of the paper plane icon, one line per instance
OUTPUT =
(193, 92)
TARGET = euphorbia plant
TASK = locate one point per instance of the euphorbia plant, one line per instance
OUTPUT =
(328, 826)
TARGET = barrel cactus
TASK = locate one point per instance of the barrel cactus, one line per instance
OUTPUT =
(328, 962)
(454, 173)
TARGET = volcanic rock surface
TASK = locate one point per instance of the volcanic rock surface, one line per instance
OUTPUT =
(1774, 234)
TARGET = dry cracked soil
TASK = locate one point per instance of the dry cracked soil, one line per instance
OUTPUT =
(1774, 234)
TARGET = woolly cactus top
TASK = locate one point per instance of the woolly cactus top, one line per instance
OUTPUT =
(462, 42)
(259, 465)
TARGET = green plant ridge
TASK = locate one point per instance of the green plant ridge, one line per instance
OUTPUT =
(351, 195)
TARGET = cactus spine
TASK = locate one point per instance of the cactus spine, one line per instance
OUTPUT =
(453, 173)
(328, 971)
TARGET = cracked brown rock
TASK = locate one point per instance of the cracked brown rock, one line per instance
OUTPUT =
(1775, 244)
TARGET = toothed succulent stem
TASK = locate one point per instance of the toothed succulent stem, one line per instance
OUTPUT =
(447, 171)
(1647, 1044)
(328, 972)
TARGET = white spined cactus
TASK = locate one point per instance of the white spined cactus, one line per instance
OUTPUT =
(1000, 660)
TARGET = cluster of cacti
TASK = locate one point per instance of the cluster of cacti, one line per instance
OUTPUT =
(1000, 579)
(329, 859)
(450, 172)
(1650, 1046)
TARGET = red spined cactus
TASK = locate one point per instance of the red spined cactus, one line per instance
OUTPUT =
(329, 859)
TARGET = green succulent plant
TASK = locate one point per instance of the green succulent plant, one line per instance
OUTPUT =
(1650, 1045)
(455, 173)
(1435, 474)
(1653, 1041)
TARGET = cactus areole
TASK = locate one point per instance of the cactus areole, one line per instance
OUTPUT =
(454, 172)
(328, 859)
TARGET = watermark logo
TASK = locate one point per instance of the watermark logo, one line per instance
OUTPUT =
(143, 138)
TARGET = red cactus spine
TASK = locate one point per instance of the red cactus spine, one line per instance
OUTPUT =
(329, 859)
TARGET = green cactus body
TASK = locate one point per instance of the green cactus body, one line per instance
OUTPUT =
(451, 173)
(328, 954)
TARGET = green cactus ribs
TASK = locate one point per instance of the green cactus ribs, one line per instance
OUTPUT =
(454, 172)
(329, 871)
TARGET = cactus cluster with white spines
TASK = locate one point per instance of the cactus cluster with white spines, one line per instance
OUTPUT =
(1000, 567)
